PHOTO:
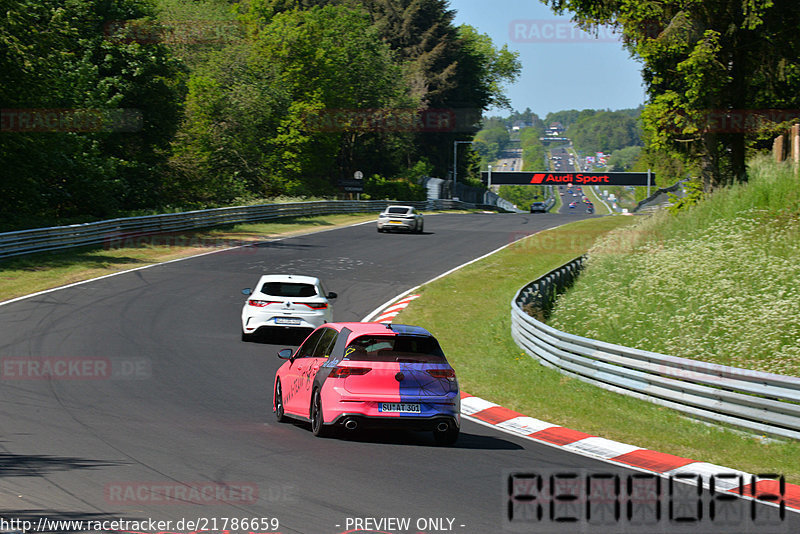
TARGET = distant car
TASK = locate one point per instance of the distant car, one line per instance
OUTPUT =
(352, 375)
(285, 301)
(400, 218)
(572, 205)
(538, 207)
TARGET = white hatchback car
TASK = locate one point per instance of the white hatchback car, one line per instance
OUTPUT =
(400, 218)
(285, 301)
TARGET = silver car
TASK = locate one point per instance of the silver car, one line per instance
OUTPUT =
(400, 218)
(538, 207)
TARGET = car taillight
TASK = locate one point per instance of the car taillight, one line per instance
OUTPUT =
(261, 303)
(315, 305)
(344, 372)
(442, 373)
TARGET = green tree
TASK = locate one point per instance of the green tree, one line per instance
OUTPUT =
(333, 62)
(488, 66)
(705, 62)
(489, 143)
(483, 69)
(223, 150)
(74, 80)
(195, 30)
(568, 117)
(308, 98)
(527, 116)
(448, 69)
(624, 159)
(523, 195)
(605, 131)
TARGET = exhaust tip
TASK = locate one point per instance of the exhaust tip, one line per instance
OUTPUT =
(442, 427)
(351, 424)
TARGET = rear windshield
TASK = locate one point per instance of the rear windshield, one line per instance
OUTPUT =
(397, 210)
(404, 349)
(288, 289)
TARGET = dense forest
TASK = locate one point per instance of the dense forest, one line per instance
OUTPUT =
(606, 131)
(119, 107)
(589, 130)
(115, 107)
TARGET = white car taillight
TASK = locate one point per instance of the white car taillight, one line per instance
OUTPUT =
(315, 305)
(260, 303)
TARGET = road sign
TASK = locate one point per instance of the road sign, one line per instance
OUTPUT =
(351, 185)
(358, 175)
(572, 177)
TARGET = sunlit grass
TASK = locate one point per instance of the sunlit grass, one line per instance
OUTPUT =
(717, 284)
(469, 312)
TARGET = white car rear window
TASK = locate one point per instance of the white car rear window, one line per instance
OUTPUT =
(398, 211)
(288, 289)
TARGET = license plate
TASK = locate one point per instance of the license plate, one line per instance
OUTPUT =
(395, 222)
(399, 407)
(286, 320)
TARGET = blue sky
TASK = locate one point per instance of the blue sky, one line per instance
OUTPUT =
(560, 69)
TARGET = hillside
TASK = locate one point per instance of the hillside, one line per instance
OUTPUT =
(716, 283)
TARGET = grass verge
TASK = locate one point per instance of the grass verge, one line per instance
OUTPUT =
(559, 201)
(717, 283)
(473, 325)
(599, 206)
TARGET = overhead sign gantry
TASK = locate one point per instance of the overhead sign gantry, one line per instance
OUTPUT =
(571, 177)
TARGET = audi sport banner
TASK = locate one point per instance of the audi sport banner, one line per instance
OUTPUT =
(572, 177)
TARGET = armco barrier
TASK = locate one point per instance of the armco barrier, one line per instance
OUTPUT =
(762, 402)
(77, 235)
(541, 294)
(662, 191)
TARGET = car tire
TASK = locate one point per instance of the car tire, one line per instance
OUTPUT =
(421, 227)
(380, 230)
(448, 437)
(280, 413)
(317, 427)
(247, 337)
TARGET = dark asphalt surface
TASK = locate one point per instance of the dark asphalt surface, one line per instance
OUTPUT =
(567, 198)
(197, 410)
